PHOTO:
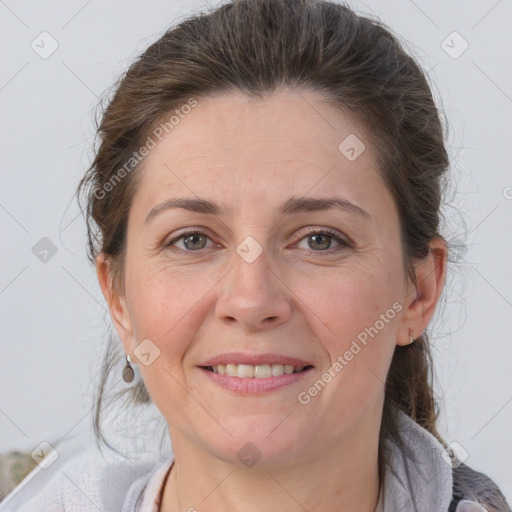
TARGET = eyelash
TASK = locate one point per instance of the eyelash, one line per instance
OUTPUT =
(344, 244)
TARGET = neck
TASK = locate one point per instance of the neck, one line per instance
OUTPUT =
(344, 478)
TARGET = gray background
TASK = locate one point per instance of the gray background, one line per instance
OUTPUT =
(52, 314)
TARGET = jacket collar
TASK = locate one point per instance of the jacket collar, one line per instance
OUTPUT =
(418, 476)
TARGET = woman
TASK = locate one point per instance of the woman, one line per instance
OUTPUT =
(263, 214)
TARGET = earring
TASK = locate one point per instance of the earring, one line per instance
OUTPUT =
(128, 372)
(411, 339)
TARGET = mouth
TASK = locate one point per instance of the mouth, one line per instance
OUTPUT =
(254, 374)
(261, 371)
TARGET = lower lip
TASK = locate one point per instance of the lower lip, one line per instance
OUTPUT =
(254, 385)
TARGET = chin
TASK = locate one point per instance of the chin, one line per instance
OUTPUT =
(258, 440)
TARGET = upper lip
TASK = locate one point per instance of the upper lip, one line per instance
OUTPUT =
(254, 359)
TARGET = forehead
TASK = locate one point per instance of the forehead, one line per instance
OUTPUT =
(237, 148)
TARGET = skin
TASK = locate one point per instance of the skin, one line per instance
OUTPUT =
(300, 297)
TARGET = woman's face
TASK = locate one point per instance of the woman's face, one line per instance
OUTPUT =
(269, 278)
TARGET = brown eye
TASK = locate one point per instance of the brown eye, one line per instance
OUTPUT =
(322, 241)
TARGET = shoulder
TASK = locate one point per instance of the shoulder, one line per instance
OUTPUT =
(435, 478)
(81, 480)
(472, 487)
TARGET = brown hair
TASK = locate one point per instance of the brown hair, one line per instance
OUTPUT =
(257, 47)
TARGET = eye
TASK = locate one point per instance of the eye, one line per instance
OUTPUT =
(192, 240)
(321, 240)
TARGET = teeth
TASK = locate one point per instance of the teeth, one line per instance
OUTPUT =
(262, 370)
(255, 371)
(232, 370)
(277, 369)
(245, 370)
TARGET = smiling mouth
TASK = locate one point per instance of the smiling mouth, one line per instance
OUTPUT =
(245, 371)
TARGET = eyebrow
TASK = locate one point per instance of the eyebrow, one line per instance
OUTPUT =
(292, 206)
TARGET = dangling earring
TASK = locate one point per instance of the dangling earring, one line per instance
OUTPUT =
(411, 339)
(128, 372)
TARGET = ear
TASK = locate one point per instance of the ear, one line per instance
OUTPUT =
(421, 300)
(116, 303)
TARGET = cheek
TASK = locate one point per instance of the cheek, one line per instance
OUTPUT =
(358, 343)
(356, 318)
(165, 306)
(165, 309)
(348, 305)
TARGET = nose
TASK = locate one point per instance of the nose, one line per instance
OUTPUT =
(253, 295)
